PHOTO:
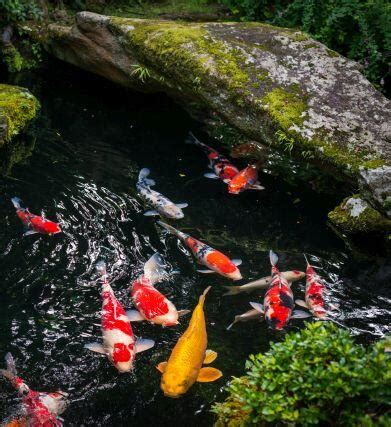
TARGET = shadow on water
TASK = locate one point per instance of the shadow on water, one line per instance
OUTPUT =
(91, 140)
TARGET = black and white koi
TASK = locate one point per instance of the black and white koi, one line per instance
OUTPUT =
(161, 204)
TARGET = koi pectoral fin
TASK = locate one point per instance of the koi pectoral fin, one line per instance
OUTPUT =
(30, 232)
(257, 306)
(210, 356)
(207, 375)
(205, 271)
(300, 314)
(134, 316)
(161, 367)
(144, 344)
(181, 205)
(301, 303)
(151, 213)
(183, 312)
(237, 261)
(95, 347)
(210, 175)
(257, 186)
(334, 307)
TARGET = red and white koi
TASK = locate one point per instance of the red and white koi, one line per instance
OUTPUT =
(278, 302)
(315, 294)
(119, 343)
(216, 261)
(34, 223)
(246, 179)
(162, 205)
(39, 408)
(221, 166)
(151, 304)
(263, 283)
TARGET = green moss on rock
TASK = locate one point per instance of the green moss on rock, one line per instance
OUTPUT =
(286, 108)
(169, 44)
(354, 215)
(17, 108)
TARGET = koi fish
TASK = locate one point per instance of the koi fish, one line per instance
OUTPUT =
(314, 294)
(161, 204)
(34, 223)
(119, 343)
(278, 303)
(39, 408)
(248, 315)
(290, 276)
(221, 166)
(246, 179)
(151, 304)
(184, 366)
(216, 261)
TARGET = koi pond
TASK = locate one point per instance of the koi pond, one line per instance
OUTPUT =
(91, 140)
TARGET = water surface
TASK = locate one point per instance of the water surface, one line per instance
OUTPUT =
(91, 141)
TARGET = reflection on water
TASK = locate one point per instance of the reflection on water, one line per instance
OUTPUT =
(91, 142)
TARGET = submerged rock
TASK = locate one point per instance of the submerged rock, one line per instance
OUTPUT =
(17, 108)
(277, 86)
(355, 216)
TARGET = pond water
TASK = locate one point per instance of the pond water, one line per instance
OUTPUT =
(91, 140)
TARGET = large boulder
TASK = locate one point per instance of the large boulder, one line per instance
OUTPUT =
(276, 86)
(17, 108)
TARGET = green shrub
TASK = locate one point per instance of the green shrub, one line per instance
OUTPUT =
(358, 29)
(18, 10)
(317, 375)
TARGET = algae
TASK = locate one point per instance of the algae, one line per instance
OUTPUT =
(18, 107)
(354, 215)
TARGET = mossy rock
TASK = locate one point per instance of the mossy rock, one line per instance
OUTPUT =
(276, 86)
(355, 216)
(17, 108)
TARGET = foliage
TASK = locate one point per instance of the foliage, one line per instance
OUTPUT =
(141, 72)
(358, 29)
(317, 375)
(18, 10)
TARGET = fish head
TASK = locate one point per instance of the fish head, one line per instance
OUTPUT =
(122, 356)
(172, 211)
(294, 275)
(223, 265)
(173, 386)
(234, 275)
(234, 187)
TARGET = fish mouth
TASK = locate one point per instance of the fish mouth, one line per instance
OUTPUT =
(173, 395)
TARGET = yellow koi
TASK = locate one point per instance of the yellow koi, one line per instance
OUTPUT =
(184, 367)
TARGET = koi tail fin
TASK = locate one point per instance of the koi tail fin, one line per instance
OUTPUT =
(232, 290)
(203, 295)
(142, 177)
(191, 139)
(10, 371)
(273, 258)
(306, 260)
(18, 204)
(101, 269)
(154, 268)
(172, 230)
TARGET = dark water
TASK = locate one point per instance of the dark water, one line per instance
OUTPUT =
(91, 140)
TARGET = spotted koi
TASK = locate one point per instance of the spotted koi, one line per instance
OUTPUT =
(221, 166)
(34, 223)
(119, 343)
(246, 179)
(151, 304)
(215, 261)
(40, 408)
